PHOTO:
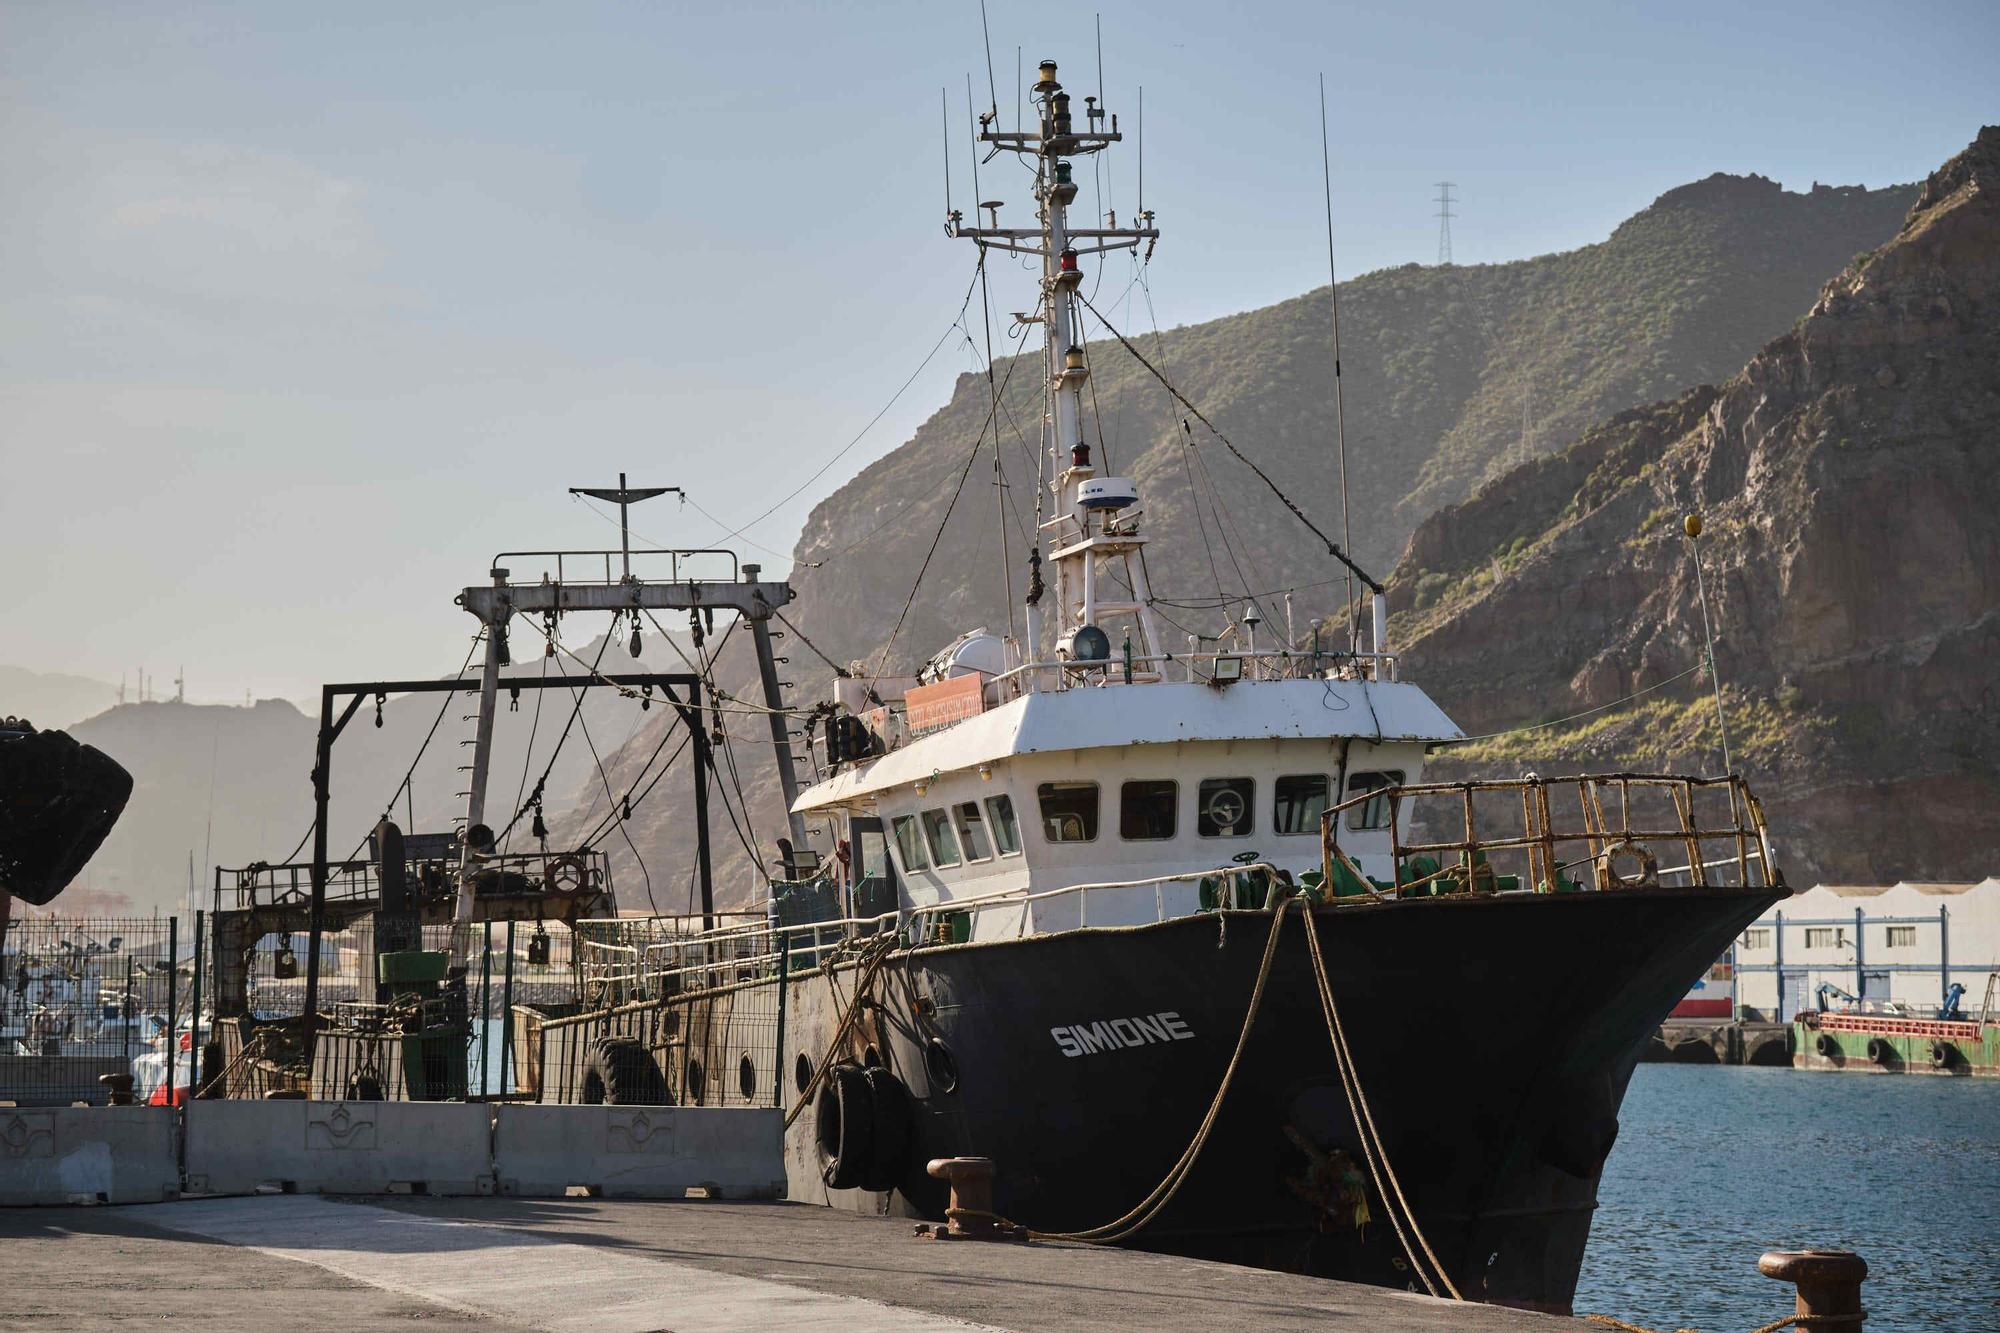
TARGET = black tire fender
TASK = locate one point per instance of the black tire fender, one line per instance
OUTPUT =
(620, 1072)
(1941, 1053)
(1879, 1050)
(844, 1124)
(1826, 1045)
(895, 1120)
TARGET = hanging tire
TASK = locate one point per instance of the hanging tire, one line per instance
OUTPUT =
(620, 1072)
(1880, 1051)
(364, 1088)
(895, 1120)
(1941, 1053)
(1826, 1045)
(844, 1123)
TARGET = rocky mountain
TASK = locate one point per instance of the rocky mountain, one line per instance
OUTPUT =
(52, 699)
(1847, 479)
(1452, 375)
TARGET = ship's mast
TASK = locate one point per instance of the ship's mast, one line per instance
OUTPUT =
(1081, 535)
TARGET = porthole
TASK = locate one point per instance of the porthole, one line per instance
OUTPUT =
(697, 1082)
(802, 1073)
(942, 1068)
(746, 1078)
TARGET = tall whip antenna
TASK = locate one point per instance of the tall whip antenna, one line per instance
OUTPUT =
(992, 89)
(1339, 395)
(986, 311)
(944, 112)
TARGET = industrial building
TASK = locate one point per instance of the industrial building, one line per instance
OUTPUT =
(1881, 945)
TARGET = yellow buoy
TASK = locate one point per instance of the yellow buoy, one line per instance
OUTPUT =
(1691, 525)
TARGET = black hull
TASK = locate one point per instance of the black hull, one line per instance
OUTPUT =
(1494, 1037)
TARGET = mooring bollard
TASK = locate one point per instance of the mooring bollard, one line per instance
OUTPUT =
(1828, 1282)
(118, 1087)
(970, 1216)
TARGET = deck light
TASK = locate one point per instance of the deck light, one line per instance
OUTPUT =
(1227, 670)
(986, 772)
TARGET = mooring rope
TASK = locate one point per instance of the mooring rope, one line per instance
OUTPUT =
(877, 958)
(1372, 1149)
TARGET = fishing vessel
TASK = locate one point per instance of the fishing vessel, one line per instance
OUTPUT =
(1174, 934)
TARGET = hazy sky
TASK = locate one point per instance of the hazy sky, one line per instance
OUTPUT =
(307, 310)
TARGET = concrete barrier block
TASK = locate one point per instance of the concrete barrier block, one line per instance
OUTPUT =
(88, 1154)
(321, 1147)
(639, 1152)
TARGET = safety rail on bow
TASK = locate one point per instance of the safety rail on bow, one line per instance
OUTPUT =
(1627, 830)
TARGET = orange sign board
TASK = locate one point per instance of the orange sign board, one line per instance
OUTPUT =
(932, 706)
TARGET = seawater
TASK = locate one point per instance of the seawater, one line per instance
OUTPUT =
(1713, 1166)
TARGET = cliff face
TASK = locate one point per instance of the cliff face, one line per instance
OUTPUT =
(1441, 367)
(1852, 548)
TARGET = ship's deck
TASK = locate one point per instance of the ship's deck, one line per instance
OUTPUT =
(609, 1266)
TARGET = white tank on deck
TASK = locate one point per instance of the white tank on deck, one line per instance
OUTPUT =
(979, 651)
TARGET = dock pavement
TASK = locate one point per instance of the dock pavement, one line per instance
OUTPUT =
(617, 1266)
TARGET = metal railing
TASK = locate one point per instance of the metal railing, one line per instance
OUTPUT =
(580, 568)
(1199, 666)
(1623, 824)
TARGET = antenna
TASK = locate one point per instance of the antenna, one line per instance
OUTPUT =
(1444, 216)
(1100, 57)
(1140, 148)
(1691, 525)
(1017, 90)
(992, 92)
(986, 312)
(625, 497)
(1339, 394)
(944, 115)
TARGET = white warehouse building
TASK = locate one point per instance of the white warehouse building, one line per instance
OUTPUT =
(1898, 944)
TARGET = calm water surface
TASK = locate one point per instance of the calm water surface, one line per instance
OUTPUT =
(1716, 1165)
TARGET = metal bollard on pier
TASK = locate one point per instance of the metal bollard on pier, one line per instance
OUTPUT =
(970, 1215)
(1828, 1282)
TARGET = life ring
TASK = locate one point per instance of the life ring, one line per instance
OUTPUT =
(844, 1124)
(1607, 867)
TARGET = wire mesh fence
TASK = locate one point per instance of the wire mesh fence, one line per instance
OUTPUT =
(85, 997)
(641, 1010)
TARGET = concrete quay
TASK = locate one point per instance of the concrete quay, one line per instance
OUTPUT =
(629, 1266)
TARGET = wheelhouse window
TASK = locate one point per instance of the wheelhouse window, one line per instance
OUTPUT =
(1069, 811)
(972, 831)
(937, 836)
(910, 843)
(1372, 813)
(1225, 807)
(1297, 802)
(1146, 809)
(1006, 832)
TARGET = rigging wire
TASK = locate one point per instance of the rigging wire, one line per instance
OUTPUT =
(604, 779)
(389, 807)
(842, 452)
(1339, 395)
(972, 457)
(1332, 547)
(542, 782)
(528, 755)
(1557, 722)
